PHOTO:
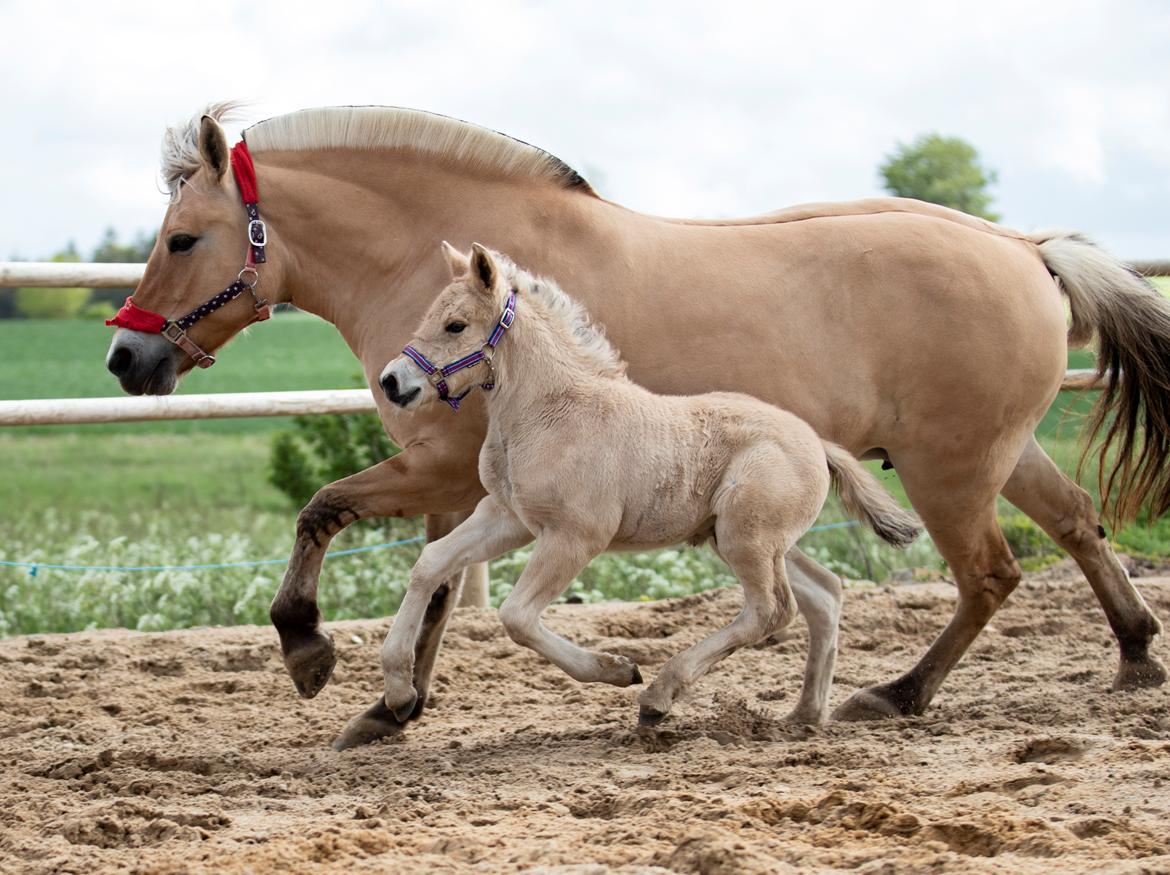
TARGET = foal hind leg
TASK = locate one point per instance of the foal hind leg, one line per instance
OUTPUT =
(768, 606)
(963, 525)
(818, 596)
(1066, 513)
(557, 559)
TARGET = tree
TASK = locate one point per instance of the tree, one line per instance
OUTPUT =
(941, 170)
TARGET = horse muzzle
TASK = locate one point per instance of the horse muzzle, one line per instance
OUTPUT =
(145, 364)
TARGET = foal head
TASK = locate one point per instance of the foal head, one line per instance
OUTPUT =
(458, 323)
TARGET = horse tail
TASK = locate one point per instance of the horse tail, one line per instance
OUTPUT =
(1131, 321)
(865, 499)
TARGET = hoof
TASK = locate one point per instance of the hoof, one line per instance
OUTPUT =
(1138, 674)
(310, 664)
(375, 722)
(873, 703)
(620, 671)
(650, 716)
(407, 709)
(804, 717)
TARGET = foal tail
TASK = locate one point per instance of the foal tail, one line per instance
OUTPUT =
(1132, 324)
(865, 499)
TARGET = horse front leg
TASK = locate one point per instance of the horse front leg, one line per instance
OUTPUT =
(418, 480)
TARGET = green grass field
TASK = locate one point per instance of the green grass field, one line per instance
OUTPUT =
(197, 492)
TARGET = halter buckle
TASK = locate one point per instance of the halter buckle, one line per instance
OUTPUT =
(258, 233)
(176, 335)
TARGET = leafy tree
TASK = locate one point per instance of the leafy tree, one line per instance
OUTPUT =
(941, 170)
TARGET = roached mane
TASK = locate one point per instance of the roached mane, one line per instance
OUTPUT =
(588, 337)
(372, 128)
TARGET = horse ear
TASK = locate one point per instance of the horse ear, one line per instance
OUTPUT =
(483, 266)
(213, 147)
(456, 260)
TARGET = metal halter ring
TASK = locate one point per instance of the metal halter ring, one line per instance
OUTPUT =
(255, 277)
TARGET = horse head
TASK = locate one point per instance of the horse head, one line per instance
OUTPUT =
(203, 266)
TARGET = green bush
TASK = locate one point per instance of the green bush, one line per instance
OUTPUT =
(1028, 542)
(98, 310)
(321, 449)
(50, 303)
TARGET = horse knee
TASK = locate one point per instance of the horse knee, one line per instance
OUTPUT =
(986, 591)
(324, 516)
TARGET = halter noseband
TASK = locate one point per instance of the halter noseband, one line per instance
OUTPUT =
(175, 330)
(438, 376)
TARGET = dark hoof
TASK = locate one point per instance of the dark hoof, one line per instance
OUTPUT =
(310, 664)
(637, 677)
(1139, 674)
(650, 716)
(375, 722)
(406, 710)
(875, 703)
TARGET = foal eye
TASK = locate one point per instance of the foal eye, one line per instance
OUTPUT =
(455, 327)
(181, 243)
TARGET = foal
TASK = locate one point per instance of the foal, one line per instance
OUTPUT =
(583, 460)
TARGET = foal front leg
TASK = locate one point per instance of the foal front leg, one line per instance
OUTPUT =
(489, 532)
(556, 560)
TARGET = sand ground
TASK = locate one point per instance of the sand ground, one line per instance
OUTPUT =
(190, 752)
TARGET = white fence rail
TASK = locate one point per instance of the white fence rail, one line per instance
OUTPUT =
(77, 411)
(223, 405)
(46, 275)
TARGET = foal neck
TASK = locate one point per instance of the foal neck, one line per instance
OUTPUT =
(539, 362)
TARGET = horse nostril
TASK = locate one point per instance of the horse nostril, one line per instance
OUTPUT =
(120, 362)
(390, 386)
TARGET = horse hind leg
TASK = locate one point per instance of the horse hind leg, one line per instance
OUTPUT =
(818, 595)
(1066, 512)
(959, 512)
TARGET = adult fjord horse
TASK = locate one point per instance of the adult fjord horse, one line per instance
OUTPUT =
(898, 329)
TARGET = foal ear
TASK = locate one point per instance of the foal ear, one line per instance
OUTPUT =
(483, 266)
(456, 260)
(213, 147)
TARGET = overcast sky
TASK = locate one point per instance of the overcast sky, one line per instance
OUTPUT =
(714, 109)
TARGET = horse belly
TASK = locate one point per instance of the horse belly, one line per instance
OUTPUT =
(874, 329)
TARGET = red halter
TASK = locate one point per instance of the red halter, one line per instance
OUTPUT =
(137, 319)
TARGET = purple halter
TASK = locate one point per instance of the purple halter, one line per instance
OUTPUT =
(438, 376)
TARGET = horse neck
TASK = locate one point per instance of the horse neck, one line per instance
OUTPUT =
(359, 233)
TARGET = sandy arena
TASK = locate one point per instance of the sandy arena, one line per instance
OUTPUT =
(190, 752)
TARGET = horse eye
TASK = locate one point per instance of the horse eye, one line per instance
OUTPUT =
(455, 327)
(181, 243)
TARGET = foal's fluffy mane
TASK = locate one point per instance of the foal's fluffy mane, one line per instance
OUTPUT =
(589, 338)
(371, 128)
